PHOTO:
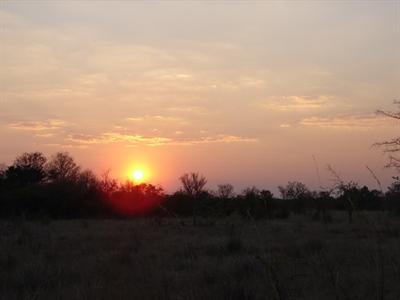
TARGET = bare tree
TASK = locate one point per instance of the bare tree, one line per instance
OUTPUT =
(108, 184)
(193, 185)
(225, 191)
(293, 190)
(343, 189)
(62, 167)
(298, 194)
(392, 147)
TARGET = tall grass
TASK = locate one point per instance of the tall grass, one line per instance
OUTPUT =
(233, 259)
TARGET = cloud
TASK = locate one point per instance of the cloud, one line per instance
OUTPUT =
(134, 119)
(53, 124)
(135, 139)
(351, 122)
(44, 135)
(298, 103)
(154, 118)
(188, 109)
(168, 75)
(65, 146)
(115, 137)
(221, 138)
(152, 141)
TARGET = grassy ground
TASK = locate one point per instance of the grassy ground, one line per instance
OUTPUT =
(231, 258)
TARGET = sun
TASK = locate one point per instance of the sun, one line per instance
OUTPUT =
(137, 175)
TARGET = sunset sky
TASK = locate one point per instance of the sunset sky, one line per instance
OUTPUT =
(245, 93)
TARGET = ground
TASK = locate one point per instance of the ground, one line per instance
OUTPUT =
(231, 258)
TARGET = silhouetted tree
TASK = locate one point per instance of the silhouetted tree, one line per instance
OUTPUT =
(91, 198)
(66, 192)
(267, 197)
(345, 191)
(133, 200)
(27, 168)
(80, 197)
(225, 191)
(255, 204)
(179, 203)
(297, 193)
(323, 201)
(193, 185)
(224, 195)
(107, 184)
(393, 197)
(348, 194)
(3, 169)
(62, 167)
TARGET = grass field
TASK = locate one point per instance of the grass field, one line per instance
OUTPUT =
(231, 258)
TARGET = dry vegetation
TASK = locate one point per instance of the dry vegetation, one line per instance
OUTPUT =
(228, 258)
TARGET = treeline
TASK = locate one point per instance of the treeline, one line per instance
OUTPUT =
(35, 186)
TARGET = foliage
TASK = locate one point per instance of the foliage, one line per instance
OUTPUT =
(59, 188)
(130, 199)
(62, 168)
(27, 168)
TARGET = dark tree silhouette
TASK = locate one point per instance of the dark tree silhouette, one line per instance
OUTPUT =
(322, 200)
(133, 200)
(297, 193)
(62, 167)
(225, 191)
(267, 198)
(66, 192)
(224, 194)
(193, 185)
(3, 169)
(108, 184)
(345, 191)
(393, 197)
(27, 168)
(250, 207)
(293, 190)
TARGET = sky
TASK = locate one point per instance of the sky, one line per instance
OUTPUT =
(248, 93)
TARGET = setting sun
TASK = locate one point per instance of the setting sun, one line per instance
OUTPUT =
(137, 175)
(138, 172)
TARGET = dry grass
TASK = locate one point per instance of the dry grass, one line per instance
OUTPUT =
(227, 259)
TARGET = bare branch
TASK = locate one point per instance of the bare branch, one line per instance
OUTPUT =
(391, 146)
(376, 178)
